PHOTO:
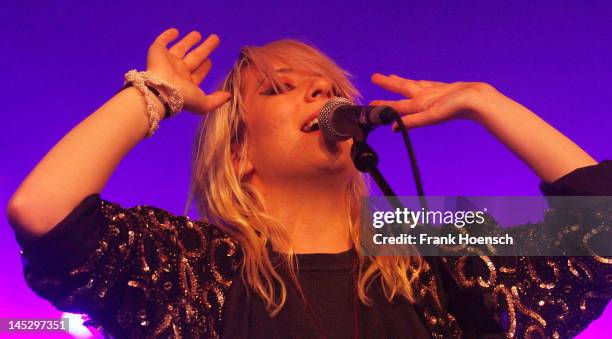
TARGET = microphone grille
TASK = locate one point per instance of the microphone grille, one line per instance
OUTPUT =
(325, 118)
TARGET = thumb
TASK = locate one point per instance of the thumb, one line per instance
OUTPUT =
(214, 100)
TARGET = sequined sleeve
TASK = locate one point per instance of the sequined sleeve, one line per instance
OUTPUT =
(137, 272)
(548, 297)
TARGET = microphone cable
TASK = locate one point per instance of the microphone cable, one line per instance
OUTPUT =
(413, 162)
(419, 187)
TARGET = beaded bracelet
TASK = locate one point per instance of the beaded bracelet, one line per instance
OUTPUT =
(167, 109)
(150, 85)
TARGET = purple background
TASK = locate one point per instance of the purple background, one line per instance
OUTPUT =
(62, 60)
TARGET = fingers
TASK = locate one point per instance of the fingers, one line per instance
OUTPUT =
(411, 113)
(166, 37)
(417, 120)
(201, 72)
(195, 58)
(404, 86)
(396, 84)
(414, 114)
(180, 48)
(420, 83)
(429, 83)
(403, 107)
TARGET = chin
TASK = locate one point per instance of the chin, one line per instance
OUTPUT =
(337, 155)
(337, 164)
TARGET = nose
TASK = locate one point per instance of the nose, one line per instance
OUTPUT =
(319, 88)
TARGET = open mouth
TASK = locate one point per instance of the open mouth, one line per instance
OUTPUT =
(312, 126)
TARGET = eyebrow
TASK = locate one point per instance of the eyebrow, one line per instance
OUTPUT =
(280, 70)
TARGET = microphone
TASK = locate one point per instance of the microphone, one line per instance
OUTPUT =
(340, 119)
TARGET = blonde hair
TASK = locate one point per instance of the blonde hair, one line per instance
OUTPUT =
(226, 200)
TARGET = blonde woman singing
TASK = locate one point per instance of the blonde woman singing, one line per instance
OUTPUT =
(276, 250)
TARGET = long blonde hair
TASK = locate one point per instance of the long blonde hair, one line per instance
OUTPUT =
(226, 200)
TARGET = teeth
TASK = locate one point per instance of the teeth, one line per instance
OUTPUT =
(309, 126)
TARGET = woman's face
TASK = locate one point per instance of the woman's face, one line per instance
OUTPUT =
(279, 147)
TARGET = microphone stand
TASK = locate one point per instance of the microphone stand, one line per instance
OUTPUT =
(366, 161)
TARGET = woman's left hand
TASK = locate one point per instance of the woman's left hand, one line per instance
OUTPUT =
(432, 102)
(547, 151)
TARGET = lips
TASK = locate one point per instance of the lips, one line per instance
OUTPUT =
(311, 124)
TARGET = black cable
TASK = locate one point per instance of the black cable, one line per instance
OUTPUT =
(366, 160)
(381, 182)
(419, 186)
(413, 163)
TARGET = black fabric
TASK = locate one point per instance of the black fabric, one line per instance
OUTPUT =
(589, 180)
(327, 280)
(72, 240)
(328, 284)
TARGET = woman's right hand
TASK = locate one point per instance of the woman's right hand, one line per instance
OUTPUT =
(186, 70)
(85, 158)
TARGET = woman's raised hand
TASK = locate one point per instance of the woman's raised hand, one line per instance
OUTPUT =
(186, 70)
(432, 102)
(547, 151)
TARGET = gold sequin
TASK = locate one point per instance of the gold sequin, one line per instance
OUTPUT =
(536, 277)
(541, 296)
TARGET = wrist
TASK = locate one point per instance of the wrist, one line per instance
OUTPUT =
(167, 91)
(484, 102)
(165, 107)
(134, 92)
(135, 104)
(151, 86)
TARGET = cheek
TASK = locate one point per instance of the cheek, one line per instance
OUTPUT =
(266, 139)
(269, 136)
(271, 125)
(264, 130)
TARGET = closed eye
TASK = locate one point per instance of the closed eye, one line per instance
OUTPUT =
(278, 89)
